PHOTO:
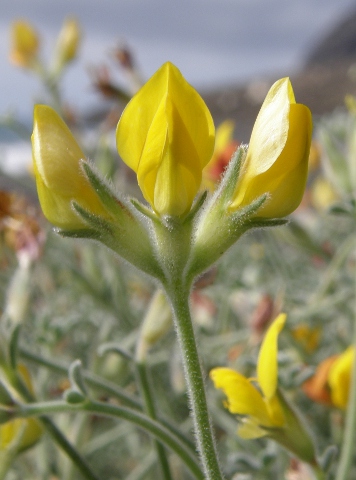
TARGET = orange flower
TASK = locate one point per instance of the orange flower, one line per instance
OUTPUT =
(225, 146)
(331, 382)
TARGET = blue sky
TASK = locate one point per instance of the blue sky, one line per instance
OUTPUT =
(213, 42)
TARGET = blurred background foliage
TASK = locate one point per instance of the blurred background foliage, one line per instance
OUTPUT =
(74, 297)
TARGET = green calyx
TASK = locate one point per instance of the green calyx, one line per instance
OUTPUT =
(124, 230)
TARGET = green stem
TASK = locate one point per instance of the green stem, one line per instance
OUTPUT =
(6, 459)
(334, 267)
(52, 429)
(179, 297)
(68, 448)
(150, 409)
(105, 409)
(91, 379)
(349, 440)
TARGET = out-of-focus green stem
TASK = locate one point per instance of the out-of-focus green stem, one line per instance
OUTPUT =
(53, 430)
(68, 448)
(334, 266)
(106, 409)
(97, 382)
(91, 379)
(146, 390)
(6, 459)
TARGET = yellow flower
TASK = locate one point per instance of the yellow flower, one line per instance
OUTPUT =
(166, 135)
(59, 177)
(68, 42)
(260, 407)
(25, 44)
(156, 323)
(339, 378)
(323, 193)
(21, 433)
(277, 158)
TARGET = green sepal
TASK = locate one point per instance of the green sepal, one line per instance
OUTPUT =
(243, 215)
(294, 435)
(227, 185)
(114, 205)
(147, 212)
(80, 233)
(262, 222)
(217, 229)
(125, 230)
(196, 207)
(97, 223)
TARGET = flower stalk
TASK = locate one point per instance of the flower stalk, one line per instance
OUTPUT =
(146, 391)
(178, 295)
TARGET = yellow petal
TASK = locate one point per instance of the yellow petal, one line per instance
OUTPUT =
(267, 365)
(249, 429)
(166, 135)
(275, 411)
(242, 397)
(270, 132)
(59, 178)
(339, 378)
(277, 157)
(20, 432)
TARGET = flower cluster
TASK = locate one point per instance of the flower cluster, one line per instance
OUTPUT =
(166, 135)
(25, 45)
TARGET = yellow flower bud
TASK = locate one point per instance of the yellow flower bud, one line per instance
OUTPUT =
(59, 177)
(277, 158)
(166, 135)
(20, 433)
(23, 432)
(157, 322)
(68, 42)
(25, 44)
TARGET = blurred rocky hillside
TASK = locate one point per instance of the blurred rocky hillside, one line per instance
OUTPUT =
(329, 73)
